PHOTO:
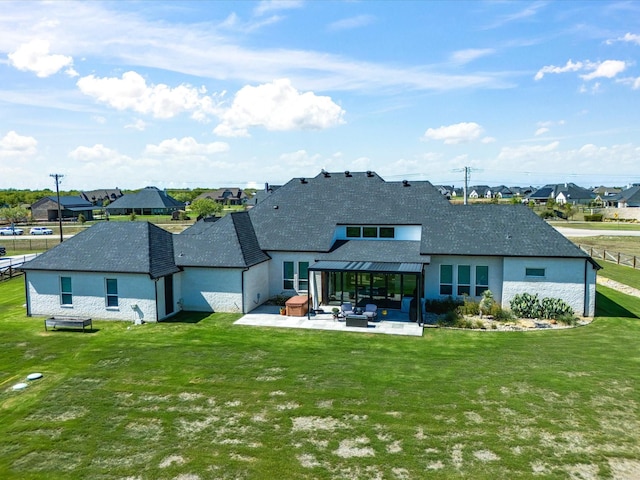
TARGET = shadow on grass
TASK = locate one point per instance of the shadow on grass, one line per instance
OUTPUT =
(607, 307)
(187, 317)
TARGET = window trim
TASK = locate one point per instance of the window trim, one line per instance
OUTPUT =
(480, 288)
(445, 284)
(66, 293)
(464, 286)
(298, 279)
(109, 296)
(535, 272)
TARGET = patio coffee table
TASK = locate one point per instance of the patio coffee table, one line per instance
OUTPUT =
(357, 321)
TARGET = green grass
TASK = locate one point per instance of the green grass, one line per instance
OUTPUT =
(620, 273)
(201, 398)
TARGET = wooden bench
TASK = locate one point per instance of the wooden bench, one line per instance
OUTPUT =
(67, 322)
(357, 321)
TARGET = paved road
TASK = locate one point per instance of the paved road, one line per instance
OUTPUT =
(15, 260)
(581, 232)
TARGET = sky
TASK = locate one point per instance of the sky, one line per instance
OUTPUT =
(219, 94)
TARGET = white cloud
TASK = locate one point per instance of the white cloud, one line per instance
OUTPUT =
(97, 153)
(278, 106)
(628, 37)
(541, 131)
(267, 6)
(527, 151)
(352, 22)
(14, 145)
(300, 158)
(34, 57)
(453, 134)
(131, 92)
(468, 55)
(570, 66)
(606, 69)
(186, 147)
(138, 124)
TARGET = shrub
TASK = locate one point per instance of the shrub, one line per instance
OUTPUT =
(132, 216)
(525, 305)
(487, 302)
(442, 306)
(567, 319)
(555, 308)
(595, 217)
(547, 214)
(500, 314)
(81, 219)
(449, 319)
(469, 307)
(278, 300)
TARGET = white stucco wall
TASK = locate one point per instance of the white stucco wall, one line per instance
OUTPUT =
(432, 274)
(211, 289)
(564, 278)
(276, 270)
(256, 286)
(136, 296)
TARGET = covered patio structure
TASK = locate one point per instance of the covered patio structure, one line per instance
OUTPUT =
(391, 285)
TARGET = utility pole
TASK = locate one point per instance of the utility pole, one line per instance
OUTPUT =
(466, 183)
(58, 176)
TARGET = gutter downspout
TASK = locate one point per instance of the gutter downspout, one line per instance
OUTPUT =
(26, 290)
(585, 306)
(242, 288)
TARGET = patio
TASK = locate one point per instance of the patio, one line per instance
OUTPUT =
(394, 323)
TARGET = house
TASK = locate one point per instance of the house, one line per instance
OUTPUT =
(226, 196)
(629, 197)
(262, 194)
(563, 193)
(480, 191)
(100, 197)
(148, 201)
(337, 237)
(46, 209)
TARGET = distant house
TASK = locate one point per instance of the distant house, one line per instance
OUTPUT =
(563, 193)
(261, 195)
(627, 198)
(336, 237)
(226, 196)
(46, 209)
(98, 197)
(148, 201)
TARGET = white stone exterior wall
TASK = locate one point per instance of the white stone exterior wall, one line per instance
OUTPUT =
(564, 278)
(626, 213)
(136, 296)
(276, 270)
(256, 286)
(211, 289)
(432, 274)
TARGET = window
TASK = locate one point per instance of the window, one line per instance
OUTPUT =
(66, 294)
(296, 276)
(535, 272)
(370, 232)
(112, 292)
(464, 280)
(482, 279)
(387, 232)
(289, 276)
(446, 279)
(353, 232)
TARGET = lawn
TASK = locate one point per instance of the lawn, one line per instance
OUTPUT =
(201, 398)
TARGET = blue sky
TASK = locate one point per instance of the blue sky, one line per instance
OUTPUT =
(212, 94)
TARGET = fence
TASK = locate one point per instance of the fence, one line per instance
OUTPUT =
(615, 257)
(10, 267)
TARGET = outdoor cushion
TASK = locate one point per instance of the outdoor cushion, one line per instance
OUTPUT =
(371, 310)
(347, 308)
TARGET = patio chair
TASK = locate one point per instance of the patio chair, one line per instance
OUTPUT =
(371, 311)
(347, 309)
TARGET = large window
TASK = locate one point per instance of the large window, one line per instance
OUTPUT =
(482, 279)
(446, 279)
(296, 276)
(66, 293)
(112, 292)
(354, 232)
(464, 280)
(371, 232)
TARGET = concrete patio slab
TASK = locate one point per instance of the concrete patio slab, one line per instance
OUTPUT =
(266, 316)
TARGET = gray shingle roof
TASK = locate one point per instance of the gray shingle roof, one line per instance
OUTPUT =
(303, 216)
(630, 196)
(149, 197)
(228, 242)
(112, 247)
(494, 230)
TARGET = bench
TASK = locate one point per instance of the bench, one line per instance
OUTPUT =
(357, 321)
(67, 322)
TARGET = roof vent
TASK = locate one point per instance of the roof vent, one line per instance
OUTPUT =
(347, 173)
(369, 173)
(275, 207)
(326, 174)
(405, 183)
(303, 180)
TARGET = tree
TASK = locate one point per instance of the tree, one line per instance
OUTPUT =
(14, 214)
(205, 207)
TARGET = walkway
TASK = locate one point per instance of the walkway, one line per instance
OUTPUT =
(268, 316)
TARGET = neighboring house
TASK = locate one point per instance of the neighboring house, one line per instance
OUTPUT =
(226, 196)
(522, 192)
(148, 201)
(627, 198)
(46, 209)
(502, 191)
(337, 237)
(99, 197)
(563, 193)
(262, 194)
(480, 191)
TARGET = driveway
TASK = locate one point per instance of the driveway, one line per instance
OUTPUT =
(581, 232)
